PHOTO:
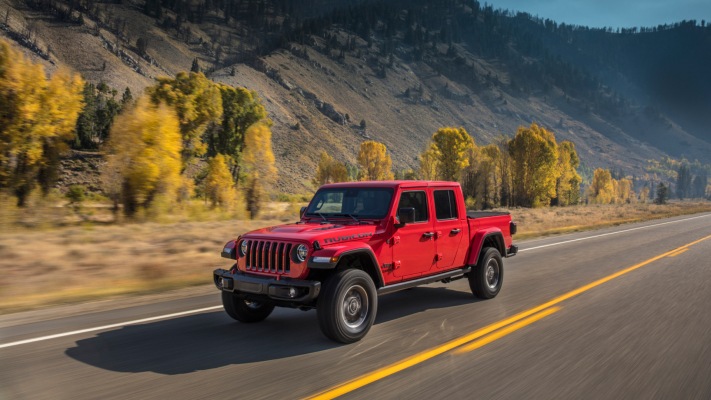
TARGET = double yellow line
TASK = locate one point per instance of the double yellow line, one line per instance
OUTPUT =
(489, 333)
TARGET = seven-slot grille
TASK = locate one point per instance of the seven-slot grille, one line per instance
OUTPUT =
(268, 256)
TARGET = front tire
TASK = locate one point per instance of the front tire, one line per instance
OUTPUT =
(487, 276)
(244, 310)
(347, 306)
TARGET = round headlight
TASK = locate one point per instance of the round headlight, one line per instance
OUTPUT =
(243, 248)
(301, 252)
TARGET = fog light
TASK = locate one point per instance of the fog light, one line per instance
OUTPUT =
(292, 292)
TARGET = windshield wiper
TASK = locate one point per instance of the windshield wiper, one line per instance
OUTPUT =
(323, 217)
(348, 215)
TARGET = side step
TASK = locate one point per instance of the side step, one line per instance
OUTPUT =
(457, 273)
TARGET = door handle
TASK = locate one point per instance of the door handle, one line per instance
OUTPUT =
(455, 231)
(428, 235)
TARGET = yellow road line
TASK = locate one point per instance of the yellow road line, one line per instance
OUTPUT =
(678, 252)
(408, 362)
(505, 331)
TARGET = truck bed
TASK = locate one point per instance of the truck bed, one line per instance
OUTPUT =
(484, 214)
(480, 221)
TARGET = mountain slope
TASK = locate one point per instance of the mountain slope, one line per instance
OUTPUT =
(406, 68)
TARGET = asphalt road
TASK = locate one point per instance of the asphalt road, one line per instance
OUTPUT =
(617, 313)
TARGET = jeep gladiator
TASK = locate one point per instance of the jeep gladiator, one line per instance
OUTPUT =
(358, 240)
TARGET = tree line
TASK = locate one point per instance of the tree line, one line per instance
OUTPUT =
(150, 144)
(37, 122)
(529, 170)
(179, 121)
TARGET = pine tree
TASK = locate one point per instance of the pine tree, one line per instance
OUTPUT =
(196, 66)
(662, 194)
(241, 109)
(683, 182)
(699, 186)
(142, 45)
(97, 116)
(126, 98)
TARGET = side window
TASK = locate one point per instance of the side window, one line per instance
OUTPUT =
(445, 204)
(416, 200)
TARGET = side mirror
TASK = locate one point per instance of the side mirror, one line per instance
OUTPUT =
(302, 211)
(405, 215)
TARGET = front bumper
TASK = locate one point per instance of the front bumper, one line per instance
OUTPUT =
(291, 290)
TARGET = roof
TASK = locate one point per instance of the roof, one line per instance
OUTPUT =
(391, 184)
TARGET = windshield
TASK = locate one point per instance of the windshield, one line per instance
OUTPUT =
(351, 202)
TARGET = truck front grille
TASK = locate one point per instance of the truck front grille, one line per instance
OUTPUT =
(268, 256)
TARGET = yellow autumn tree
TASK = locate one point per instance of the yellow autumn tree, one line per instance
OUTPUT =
(504, 169)
(602, 189)
(490, 176)
(623, 191)
(259, 166)
(568, 182)
(375, 163)
(218, 185)
(428, 163)
(534, 155)
(197, 102)
(143, 160)
(481, 179)
(329, 171)
(37, 120)
(453, 146)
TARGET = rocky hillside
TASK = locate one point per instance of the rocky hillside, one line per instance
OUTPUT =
(404, 69)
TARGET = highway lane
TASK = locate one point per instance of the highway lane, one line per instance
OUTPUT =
(644, 334)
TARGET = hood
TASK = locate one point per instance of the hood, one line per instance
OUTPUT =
(325, 234)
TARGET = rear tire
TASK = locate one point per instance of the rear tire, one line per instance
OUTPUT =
(487, 276)
(347, 306)
(244, 310)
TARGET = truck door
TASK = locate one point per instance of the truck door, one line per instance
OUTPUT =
(449, 228)
(414, 244)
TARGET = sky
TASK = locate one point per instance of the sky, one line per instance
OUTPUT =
(611, 13)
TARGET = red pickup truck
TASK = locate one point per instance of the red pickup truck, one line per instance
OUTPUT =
(358, 240)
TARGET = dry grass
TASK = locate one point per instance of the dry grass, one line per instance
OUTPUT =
(66, 265)
(42, 264)
(551, 221)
